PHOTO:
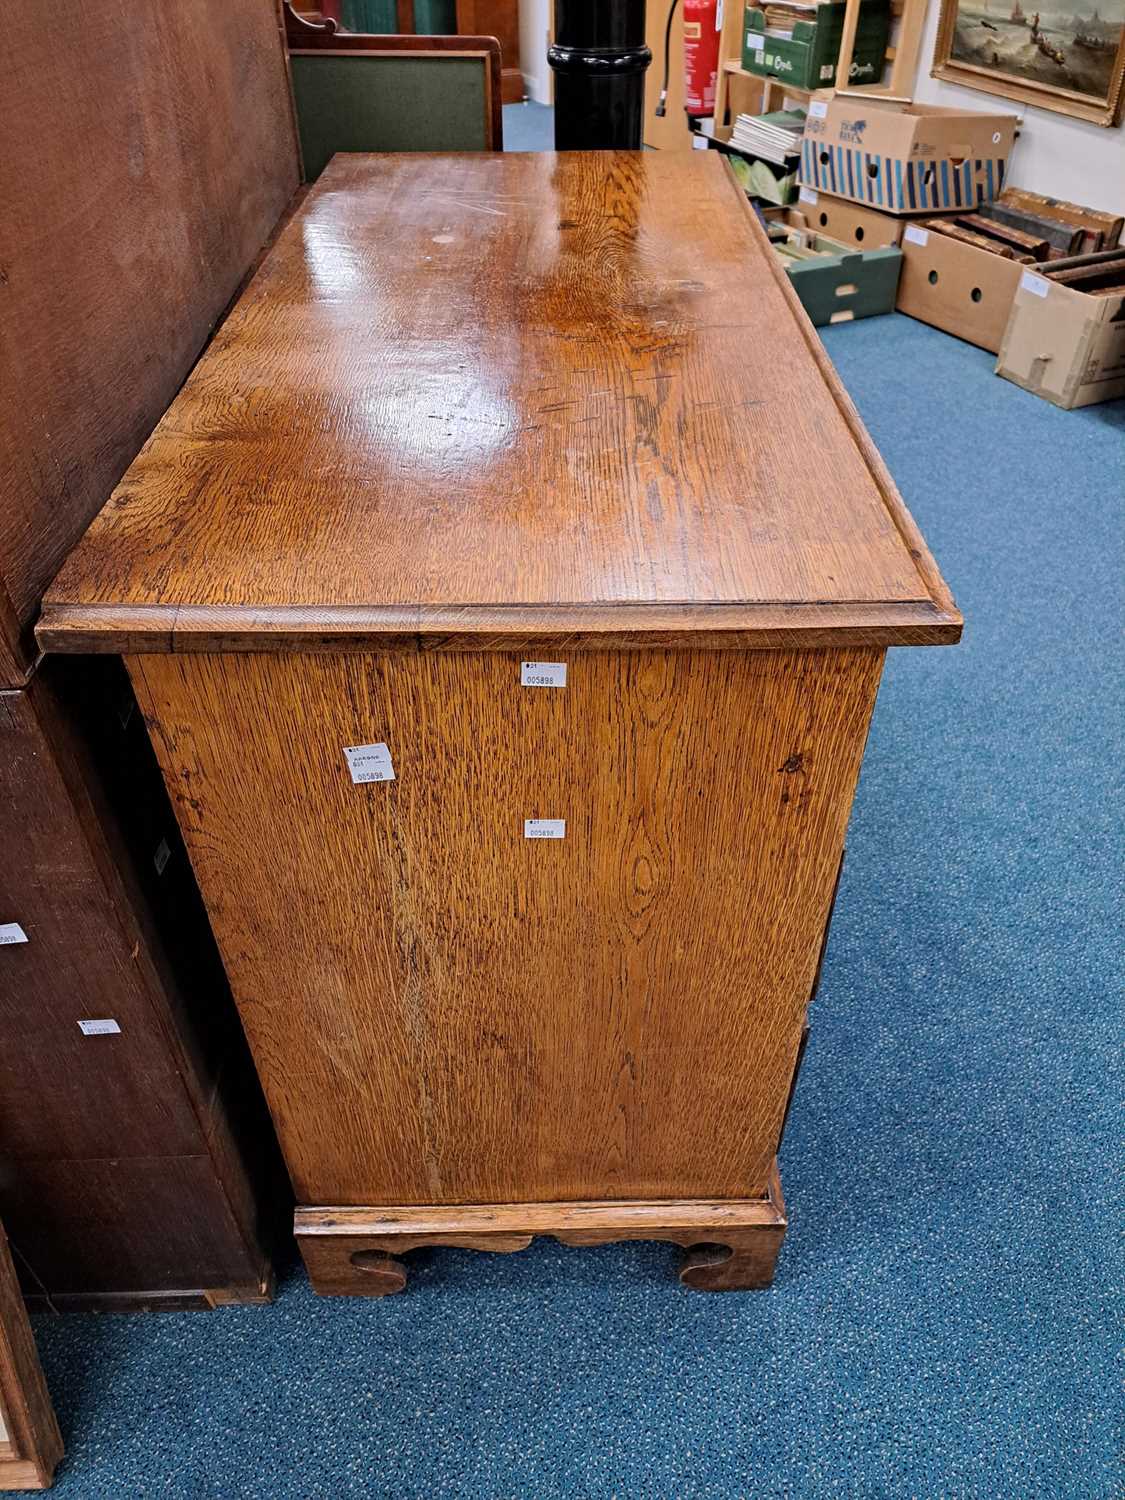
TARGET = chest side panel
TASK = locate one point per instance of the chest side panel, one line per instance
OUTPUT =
(443, 1010)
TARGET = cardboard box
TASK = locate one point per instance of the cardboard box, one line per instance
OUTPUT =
(807, 59)
(1064, 345)
(904, 158)
(838, 284)
(956, 287)
(849, 222)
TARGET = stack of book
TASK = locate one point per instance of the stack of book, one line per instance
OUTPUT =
(1064, 228)
(781, 17)
(774, 137)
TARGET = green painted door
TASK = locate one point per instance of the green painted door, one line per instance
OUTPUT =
(431, 17)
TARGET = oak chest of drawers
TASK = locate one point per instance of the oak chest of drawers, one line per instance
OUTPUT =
(507, 593)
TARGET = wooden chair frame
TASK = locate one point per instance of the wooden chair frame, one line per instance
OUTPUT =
(30, 1442)
(902, 54)
(304, 36)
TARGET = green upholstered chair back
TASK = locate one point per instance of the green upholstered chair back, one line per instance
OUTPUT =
(362, 92)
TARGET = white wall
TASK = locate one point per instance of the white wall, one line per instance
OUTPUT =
(1054, 154)
(534, 20)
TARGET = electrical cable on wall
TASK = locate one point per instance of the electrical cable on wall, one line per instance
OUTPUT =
(662, 102)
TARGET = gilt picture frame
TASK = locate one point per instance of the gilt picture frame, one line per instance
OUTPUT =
(1064, 55)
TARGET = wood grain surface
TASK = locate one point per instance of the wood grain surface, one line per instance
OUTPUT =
(148, 152)
(444, 1011)
(509, 394)
(732, 1245)
(501, 19)
(130, 1232)
(61, 1093)
(30, 1441)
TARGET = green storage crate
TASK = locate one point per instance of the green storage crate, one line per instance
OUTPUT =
(808, 59)
(835, 288)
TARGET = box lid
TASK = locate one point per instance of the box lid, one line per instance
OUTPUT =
(485, 397)
(920, 130)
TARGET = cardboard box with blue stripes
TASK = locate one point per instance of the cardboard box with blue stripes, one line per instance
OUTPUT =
(904, 159)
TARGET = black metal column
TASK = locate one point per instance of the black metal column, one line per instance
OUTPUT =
(599, 58)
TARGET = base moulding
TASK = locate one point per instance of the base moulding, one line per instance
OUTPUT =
(731, 1244)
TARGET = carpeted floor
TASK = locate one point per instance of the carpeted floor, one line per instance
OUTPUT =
(943, 1321)
(529, 127)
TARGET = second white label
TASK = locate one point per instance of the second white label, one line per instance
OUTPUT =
(544, 828)
(542, 674)
(369, 763)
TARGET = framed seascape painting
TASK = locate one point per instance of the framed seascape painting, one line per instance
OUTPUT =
(1067, 55)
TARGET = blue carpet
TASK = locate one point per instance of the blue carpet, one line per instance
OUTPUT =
(529, 127)
(943, 1318)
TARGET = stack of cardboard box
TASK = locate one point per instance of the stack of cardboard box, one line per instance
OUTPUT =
(866, 165)
(962, 274)
(1037, 280)
(905, 205)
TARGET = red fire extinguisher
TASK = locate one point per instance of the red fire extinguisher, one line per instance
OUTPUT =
(702, 21)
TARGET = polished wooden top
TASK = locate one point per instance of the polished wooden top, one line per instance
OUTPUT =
(482, 398)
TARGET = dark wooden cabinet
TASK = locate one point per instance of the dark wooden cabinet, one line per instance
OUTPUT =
(136, 1163)
(145, 158)
(501, 19)
(145, 155)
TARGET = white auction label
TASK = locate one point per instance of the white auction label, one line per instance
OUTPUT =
(915, 235)
(1032, 283)
(818, 109)
(807, 195)
(12, 932)
(544, 828)
(542, 674)
(369, 763)
(99, 1028)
